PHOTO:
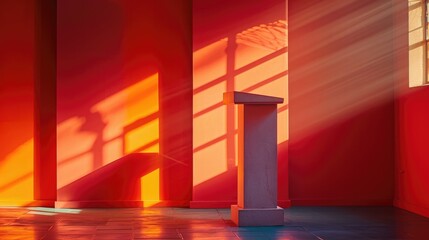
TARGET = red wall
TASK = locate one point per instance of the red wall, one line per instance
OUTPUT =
(17, 52)
(124, 77)
(124, 101)
(412, 112)
(341, 61)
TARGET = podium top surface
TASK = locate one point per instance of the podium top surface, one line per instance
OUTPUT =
(249, 98)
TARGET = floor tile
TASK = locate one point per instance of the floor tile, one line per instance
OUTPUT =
(303, 223)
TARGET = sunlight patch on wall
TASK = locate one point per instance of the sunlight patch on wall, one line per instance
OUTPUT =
(16, 176)
(132, 116)
(209, 113)
(112, 150)
(209, 63)
(209, 126)
(150, 192)
(254, 61)
(210, 156)
(264, 48)
(124, 123)
(143, 138)
(74, 151)
(132, 122)
(74, 168)
(417, 43)
(70, 133)
(202, 103)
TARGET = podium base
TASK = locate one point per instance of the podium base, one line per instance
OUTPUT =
(243, 217)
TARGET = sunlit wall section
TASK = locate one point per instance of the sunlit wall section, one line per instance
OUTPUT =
(88, 78)
(16, 182)
(141, 132)
(74, 160)
(124, 103)
(249, 57)
(262, 68)
(17, 53)
(209, 135)
(131, 120)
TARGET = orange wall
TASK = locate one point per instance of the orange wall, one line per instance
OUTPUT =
(27, 123)
(124, 106)
(412, 130)
(341, 61)
(17, 52)
(237, 46)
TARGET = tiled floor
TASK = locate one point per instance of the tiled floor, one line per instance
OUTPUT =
(317, 223)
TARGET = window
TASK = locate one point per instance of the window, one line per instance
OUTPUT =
(418, 42)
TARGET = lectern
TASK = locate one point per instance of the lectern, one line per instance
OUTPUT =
(257, 160)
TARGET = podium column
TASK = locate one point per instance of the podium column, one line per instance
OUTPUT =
(257, 160)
